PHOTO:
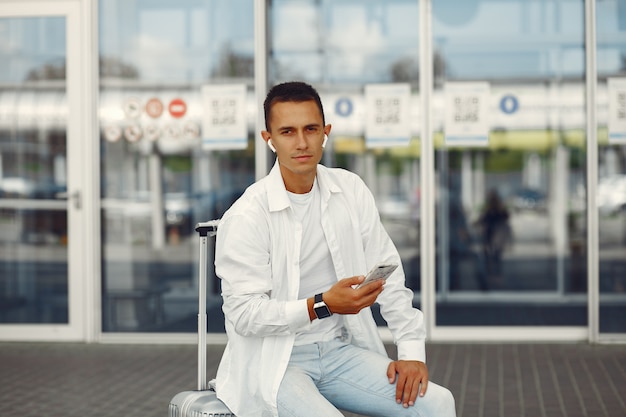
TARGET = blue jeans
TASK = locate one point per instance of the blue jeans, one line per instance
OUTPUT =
(324, 377)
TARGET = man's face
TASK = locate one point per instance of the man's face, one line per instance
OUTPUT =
(297, 132)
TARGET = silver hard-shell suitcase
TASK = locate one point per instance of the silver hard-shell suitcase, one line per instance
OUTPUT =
(203, 402)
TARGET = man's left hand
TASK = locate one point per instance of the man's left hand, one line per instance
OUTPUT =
(411, 379)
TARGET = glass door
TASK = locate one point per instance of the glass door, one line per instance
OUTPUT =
(40, 179)
(509, 167)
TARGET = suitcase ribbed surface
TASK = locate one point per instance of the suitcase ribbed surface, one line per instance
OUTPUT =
(175, 412)
(198, 404)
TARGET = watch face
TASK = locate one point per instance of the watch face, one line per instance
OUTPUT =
(322, 311)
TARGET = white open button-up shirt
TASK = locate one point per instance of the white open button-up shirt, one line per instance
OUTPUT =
(257, 258)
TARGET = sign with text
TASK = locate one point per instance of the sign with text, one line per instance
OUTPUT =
(617, 110)
(224, 117)
(466, 111)
(387, 115)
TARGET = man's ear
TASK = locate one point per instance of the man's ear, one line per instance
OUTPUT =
(267, 137)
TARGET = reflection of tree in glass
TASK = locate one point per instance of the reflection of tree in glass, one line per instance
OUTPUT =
(109, 68)
(407, 69)
(234, 65)
(54, 70)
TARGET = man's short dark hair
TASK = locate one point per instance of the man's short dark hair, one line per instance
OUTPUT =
(295, 91)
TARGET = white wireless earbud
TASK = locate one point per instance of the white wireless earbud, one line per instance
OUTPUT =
(269, 143)
(325, 140)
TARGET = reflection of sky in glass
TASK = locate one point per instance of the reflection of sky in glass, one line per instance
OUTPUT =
(331, 40)
(510, 39)
(28, 44)
(611, 34)
(177, 41)
(342, 41)
(477, 39)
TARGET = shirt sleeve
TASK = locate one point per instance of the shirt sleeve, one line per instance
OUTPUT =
(242, 264)
(412, 350)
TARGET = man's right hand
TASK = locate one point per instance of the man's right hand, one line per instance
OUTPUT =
(342, 298)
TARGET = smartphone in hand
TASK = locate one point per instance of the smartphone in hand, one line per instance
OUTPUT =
(380, 271)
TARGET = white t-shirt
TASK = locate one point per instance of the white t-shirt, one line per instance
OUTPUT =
(317, 273)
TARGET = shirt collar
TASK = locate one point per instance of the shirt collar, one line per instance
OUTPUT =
(277, 193)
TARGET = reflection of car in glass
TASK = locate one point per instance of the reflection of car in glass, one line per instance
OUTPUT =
(399, 206)
(178, 210)
(528, 199)
(612, 194)
(186, 210)
(16, 187)
(181, 210)
(37, 223)
(395, 208)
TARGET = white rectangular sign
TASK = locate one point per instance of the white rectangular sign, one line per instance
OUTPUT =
(224, 117)
(617, 110)
(466, 113)
(387, 115)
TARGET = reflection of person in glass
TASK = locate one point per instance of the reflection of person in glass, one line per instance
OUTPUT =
(302, 340)
(460, 246)
(496, 233)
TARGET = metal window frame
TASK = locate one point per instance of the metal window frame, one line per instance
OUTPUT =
(593, 258)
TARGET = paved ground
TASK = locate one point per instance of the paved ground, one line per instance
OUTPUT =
(102, 380)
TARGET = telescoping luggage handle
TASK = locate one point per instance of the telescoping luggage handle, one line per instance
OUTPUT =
(205, 230)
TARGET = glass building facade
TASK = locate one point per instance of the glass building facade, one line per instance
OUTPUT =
(505, 193)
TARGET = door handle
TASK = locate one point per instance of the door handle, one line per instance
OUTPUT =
(76, 198)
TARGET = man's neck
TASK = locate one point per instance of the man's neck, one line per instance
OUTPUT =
(298, 184)
(299, 187)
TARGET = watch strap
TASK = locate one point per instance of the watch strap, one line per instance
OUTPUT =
(320, 308)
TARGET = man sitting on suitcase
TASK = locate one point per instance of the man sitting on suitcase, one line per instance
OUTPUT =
(290, 252)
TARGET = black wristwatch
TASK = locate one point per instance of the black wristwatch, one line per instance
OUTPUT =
(319, 306)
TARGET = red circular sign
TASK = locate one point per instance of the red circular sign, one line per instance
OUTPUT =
(154, 108)
(177, 108)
